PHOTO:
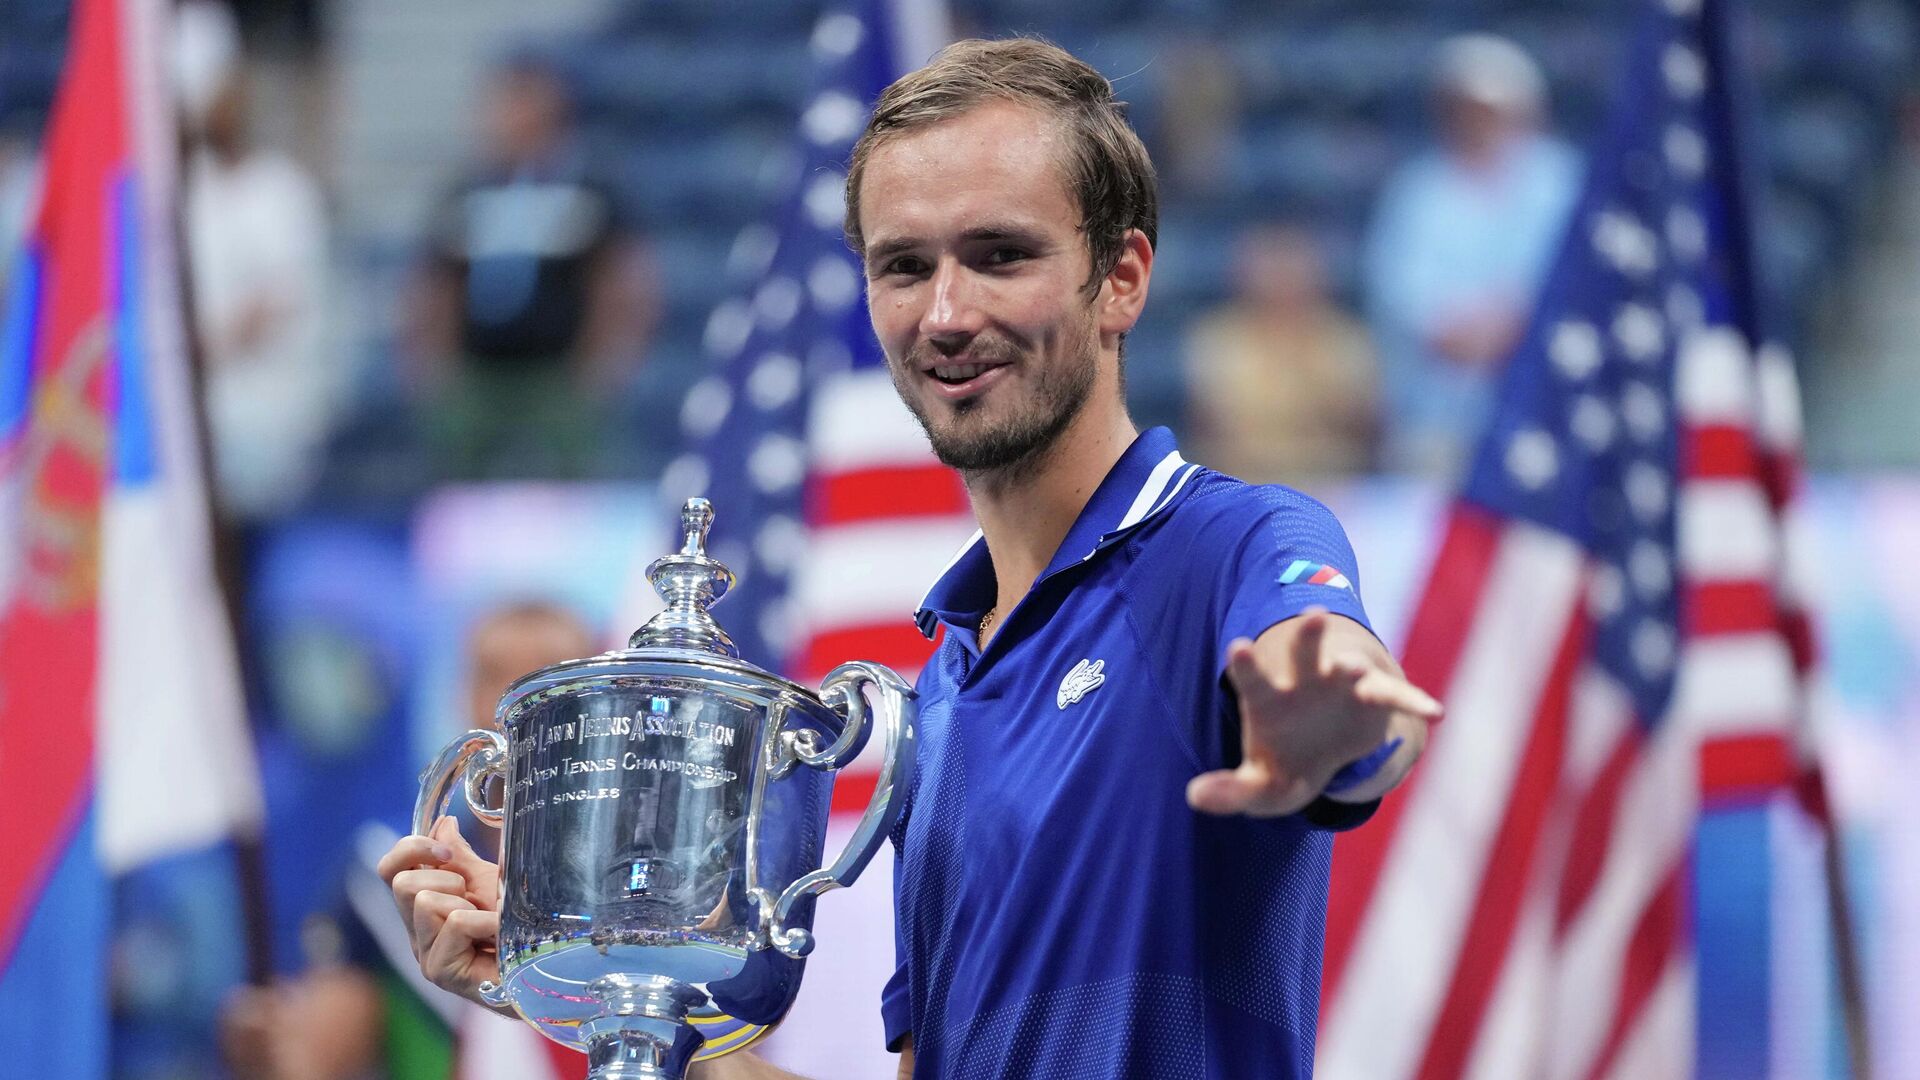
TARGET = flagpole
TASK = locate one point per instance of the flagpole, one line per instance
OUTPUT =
(1846, 947)
(229, 571)
(249, 850)
(1811, 790)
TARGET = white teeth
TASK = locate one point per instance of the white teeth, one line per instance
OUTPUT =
(958, 372)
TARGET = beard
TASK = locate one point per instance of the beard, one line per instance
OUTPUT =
(1018, 441)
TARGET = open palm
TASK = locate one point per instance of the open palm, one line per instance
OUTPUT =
(1314, 695)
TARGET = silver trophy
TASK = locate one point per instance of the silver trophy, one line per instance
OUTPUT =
(662, 828)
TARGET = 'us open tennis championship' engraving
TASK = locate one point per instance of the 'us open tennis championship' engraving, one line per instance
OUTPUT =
(569, 739)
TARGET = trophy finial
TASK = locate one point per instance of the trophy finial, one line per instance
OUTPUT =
(696, 518)
(690, 581)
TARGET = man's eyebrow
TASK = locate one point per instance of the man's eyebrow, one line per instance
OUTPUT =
(998, 230)
(882, 250)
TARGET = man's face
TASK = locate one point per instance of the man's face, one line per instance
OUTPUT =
(976, 274)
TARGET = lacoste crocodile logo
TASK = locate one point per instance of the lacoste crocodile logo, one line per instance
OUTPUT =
(1085, 678)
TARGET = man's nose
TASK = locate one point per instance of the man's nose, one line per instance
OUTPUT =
(953, 315)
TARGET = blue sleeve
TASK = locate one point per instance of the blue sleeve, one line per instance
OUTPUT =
(1256, 557)
(896, 1012)
(1290, 556)
(1296, 558)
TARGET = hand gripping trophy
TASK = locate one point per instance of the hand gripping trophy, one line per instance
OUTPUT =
(663, 822)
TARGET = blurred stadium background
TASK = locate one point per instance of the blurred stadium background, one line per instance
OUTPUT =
(367, 541)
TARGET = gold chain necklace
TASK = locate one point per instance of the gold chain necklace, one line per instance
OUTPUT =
(985, 621)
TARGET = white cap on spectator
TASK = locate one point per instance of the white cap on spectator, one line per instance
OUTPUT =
(206, 49)
(1492, 71)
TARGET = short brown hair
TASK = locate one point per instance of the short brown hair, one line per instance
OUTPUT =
(1107, 168)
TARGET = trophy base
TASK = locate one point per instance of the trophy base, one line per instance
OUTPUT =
(643, 1032)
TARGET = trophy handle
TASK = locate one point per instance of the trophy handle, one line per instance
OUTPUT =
(473, 759)
(895, 707)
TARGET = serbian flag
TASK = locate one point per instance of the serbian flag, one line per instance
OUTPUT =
(122, 734)
(1614, 623)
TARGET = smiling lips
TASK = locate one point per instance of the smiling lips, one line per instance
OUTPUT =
(963, 382)
(954, 374)
(960, 383)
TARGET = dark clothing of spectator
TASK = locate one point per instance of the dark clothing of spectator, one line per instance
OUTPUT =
(524, 246)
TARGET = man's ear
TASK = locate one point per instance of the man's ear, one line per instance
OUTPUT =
(1123, 294)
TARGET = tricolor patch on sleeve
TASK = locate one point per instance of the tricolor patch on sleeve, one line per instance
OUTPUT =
(1312, 573)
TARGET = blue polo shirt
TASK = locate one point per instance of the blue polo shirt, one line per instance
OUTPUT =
(1061, 911)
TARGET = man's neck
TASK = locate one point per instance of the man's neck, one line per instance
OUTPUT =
(1026, 513)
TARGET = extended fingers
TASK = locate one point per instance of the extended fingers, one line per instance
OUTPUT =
(1387, 690)
(411, 851)
(1262, 689)
(1251, 789)
(1308, 640)
(1223, 791)
(1250, 678)
(1305, 639)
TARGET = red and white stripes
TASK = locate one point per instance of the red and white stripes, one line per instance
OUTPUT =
(1519, 909)
(883, 516)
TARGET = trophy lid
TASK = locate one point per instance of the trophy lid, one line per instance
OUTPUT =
(690, 581)
(682, 642)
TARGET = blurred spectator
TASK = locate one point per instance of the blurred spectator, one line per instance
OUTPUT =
(1457, 246)
(511, 641)
(1282, 383)
(1195, 133)
(361, 1009)
(257, 242)
(536, 300)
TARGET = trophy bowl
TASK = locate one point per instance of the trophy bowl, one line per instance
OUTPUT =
(663, 825)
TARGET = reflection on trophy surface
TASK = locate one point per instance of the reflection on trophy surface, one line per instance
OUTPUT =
(663, 825)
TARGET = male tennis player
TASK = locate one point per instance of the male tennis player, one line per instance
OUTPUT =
(1157, 692)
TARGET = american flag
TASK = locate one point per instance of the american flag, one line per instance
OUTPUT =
(1613, 623)
(829, 506)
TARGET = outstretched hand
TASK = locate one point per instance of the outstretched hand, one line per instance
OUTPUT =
(1316, 692)
(449, 898)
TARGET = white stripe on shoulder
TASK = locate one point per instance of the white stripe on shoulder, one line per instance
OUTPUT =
(1150, 492)
(1185, 475)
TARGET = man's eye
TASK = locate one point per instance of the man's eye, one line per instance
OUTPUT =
(1002, 256)
(906, 264)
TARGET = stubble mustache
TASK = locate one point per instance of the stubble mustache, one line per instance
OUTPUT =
(982, 349)
(1014, 445)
